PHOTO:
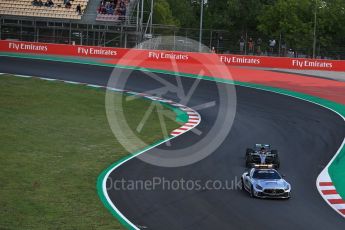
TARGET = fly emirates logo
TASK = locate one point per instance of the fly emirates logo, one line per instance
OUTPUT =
(86, 51)
(239, 60)
(28, 47)
(307, 63)
(171, 56)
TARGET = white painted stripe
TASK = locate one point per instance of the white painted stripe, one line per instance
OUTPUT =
(47, 79)
(176, 130)
(327, 188)
(94, 86)
(114, 89)
(339, 206)
(131, 92)
(73, 82)
(181, 130)
(190, 124)
(154, 98)
(333, 196)
(166, 101)
(24, 76)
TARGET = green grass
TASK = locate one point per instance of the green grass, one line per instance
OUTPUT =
(54, 142)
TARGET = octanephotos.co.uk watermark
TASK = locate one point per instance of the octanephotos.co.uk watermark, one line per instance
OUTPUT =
(164, 184)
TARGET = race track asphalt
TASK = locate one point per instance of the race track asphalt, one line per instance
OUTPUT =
(306, 135)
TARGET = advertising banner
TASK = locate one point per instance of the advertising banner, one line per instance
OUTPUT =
(118, 55)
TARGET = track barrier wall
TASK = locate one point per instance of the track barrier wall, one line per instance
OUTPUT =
(119, 55)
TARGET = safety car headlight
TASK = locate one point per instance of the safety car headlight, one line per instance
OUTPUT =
(258, 187)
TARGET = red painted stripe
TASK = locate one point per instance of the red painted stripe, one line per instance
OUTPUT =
(342, 211)
(336, 201)
(194, 119)
(329, 192)
(189, 125)
(182, 128)
(192, 122)
(175, 133)
(326, 184)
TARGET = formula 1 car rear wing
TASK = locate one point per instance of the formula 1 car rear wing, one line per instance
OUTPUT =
(263, 166)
